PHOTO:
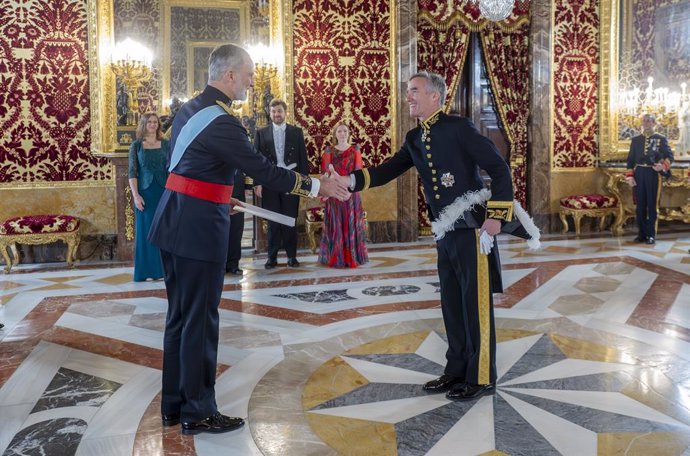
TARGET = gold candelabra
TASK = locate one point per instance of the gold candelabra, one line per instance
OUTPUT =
(131, 64)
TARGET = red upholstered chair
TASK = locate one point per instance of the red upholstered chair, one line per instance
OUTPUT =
(38, 229)
(594, 205)
(314, 222)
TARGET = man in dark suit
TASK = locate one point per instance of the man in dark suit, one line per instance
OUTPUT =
(192, 227)
(232, 265)
(283, 145)
(649, 159)
(448, 153)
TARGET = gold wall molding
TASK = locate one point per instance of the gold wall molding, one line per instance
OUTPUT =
(609, 146)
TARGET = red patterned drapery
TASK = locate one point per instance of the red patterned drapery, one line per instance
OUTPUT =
(343, 72)
(506, 55)
(45, 134)
(575, 83)
(443, 30)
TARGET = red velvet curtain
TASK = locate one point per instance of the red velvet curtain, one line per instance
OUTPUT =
(506, 55)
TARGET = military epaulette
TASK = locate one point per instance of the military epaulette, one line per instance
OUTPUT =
(302, 185)
(225, 107)
(499, 210)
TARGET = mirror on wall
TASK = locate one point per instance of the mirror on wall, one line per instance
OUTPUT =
(645, 68)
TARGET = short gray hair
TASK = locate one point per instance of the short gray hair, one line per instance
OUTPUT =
(649, 116)
(435, 82)
(223, 58)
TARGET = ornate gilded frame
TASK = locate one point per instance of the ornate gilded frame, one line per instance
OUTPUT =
(610, 148)
(101, 80)
(164, 50)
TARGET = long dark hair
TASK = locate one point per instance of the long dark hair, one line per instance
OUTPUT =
(141, 128)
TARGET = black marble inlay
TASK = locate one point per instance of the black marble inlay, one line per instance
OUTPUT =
(417, 435)
(515, 436)
(319, 296)
(374, 392)
(595, 420)
(610, 381)
(437, 285)
(410, 361)
(70, 388)
(542, 354)
(58, 437)
(391, 290)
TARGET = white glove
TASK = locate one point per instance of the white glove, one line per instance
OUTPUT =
(486, 243)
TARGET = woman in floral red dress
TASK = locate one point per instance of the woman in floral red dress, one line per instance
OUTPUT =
(343, 243)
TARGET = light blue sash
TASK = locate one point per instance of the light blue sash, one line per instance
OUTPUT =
(191, 129)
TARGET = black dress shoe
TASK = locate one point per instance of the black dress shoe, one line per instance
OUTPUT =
(270, 264)
(235, 271)
(170, 419)
(215, 424)
(468, 392)
(1, 326)
(443, 383)
(293, 263)
(650, 240)
(640, 239)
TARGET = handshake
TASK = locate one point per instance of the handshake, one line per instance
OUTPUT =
(334, 185)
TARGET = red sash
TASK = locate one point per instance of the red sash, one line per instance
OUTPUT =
(216, 193)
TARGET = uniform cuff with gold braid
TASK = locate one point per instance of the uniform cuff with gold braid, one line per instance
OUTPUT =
(499, 210)
(362, 179)
(302, 186)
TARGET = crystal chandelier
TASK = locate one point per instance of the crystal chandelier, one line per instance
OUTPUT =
(495, 10)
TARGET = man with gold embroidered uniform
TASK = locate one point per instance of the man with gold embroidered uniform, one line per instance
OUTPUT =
(648, 161)
(192, 226)
(448, 152)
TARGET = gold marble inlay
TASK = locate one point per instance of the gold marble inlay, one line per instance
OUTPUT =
(354, 437)
(494, 453)
(57, 286)
(403, 343)
(581, 349)
(331, 380)
(118, 279)
(641, 444)
(9, 285)
(505, 335)
(389, 262)
(7, 298)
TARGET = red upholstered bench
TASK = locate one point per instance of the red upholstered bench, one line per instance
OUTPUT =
(38, 229)
(594, 205)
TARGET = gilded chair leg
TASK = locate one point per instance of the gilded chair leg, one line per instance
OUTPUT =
(311, 236)
(6, 257)
(15, 254)
(577, 218)
(564, 221)
(602, 222)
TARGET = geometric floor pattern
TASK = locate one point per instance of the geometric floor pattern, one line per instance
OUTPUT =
(593, 357)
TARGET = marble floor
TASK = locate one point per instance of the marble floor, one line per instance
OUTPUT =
(593, 358)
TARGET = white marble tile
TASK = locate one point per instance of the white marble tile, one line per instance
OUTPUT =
(473, 434)
(13, 417)
(392, 412)
(433, 348)
(679, 313)
(611, 402)
(116, 445)
(381, 373)
(622, 303)
(99, 327)
(508, 353)
(101, 366)
(566, 437)
(80, 412)
(568, 368)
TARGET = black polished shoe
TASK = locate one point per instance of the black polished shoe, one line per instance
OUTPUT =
(443, 383)
(650, 240)
(293, 263)
(1, 326)
(639, 239)
(270, 264)
(235, 271)
(469, 392)
(214, 424)
(171, 419)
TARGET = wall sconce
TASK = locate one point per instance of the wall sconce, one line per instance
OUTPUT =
(131, 63)
(266, 83)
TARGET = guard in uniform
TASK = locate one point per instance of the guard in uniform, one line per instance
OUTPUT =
(448, 152)
(192, 227)
(649, 160)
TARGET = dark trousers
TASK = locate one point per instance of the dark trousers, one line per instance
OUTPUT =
(236, 230)
(277, 233)
(190, 344)
(467, 306)
(647, 193)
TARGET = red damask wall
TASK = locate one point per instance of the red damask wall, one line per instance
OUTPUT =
(342, 72)
(575, 83)
(44, 93)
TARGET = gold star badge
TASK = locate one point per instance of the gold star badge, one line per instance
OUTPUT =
(447, 180)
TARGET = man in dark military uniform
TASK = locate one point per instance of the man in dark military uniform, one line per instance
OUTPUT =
(192, 226)
(448, 152)
(649, 159)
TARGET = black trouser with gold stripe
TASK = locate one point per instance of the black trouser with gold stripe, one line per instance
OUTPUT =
(467, 306)
(647, 193)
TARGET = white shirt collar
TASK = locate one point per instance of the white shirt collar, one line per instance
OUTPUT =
(282, 126)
